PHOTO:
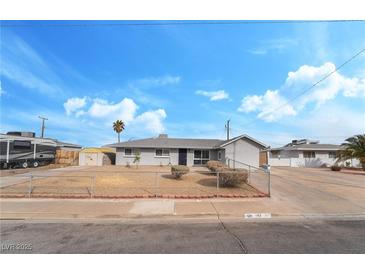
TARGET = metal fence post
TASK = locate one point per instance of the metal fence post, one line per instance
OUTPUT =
(217, 181)
(30, 186)
(269, 184)
(249, 175)
(92, 186)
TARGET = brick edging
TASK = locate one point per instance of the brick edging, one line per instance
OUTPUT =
(144, 196)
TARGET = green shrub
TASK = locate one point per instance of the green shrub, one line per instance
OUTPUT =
(335, 168)
(215, 165)
(232, 177)
(179, 170)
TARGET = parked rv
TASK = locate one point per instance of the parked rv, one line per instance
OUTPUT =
(24, 149)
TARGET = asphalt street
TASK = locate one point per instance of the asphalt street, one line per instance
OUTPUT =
(299, 236)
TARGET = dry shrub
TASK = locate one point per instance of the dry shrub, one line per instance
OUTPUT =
(215, 165)
(179, 170)
(232, 177)
(335, 168)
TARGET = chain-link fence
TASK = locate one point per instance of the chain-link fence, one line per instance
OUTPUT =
(198, 183)
(258, 177)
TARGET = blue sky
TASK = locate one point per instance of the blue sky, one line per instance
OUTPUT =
(184, 80)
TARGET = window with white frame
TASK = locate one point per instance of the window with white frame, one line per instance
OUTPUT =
(201, 157)
(332, 154)
(162, 152)
(309, 154)
(130, 151)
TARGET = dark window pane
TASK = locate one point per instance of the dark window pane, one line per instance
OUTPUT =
(22, 144)
(309, 154)
(128, 151)
(197, 154)
(165, 152)
(158, 152)
(205, 154)
(197, 162)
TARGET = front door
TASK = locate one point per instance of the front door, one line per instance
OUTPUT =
(182, 156)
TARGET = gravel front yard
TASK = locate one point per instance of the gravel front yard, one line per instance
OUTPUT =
(115, 181)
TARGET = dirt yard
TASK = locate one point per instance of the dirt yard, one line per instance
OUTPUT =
(116, 181)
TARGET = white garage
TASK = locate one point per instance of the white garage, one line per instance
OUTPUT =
(96, 157)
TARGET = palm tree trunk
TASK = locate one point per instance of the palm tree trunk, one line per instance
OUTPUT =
(118, 137)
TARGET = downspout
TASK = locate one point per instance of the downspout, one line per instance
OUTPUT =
(234, 155)
(7, 151)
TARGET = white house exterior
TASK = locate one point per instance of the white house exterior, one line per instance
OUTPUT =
(305, 153)
(163, 150)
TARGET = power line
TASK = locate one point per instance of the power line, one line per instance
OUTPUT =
(312, 86)
(173, 23)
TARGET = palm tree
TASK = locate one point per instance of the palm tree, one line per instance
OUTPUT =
(118, 127)
(353, 148)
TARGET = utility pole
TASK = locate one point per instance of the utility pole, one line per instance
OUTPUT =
(227, 128)
(43, 127)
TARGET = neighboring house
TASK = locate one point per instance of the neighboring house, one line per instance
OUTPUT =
(96, 156)
(163, 150)
(305, 153)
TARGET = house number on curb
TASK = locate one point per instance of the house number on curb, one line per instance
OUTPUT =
(257, 215)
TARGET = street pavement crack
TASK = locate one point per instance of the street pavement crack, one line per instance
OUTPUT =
(234, 236)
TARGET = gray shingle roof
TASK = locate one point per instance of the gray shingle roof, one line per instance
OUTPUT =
(310, 147)
(169, 143)
(165, 142)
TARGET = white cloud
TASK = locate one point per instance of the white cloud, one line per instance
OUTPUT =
(266, 105)
(151, 120)
(305, 76)
(158, 81)
(22, 64)
(2, 92)
(214, 95)
(72, 105)
(104, 112)
(124, 110)
(278, 45)
(297, 82)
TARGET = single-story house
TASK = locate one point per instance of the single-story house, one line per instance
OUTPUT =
(96, 156)
(305, 153)
(163, 150)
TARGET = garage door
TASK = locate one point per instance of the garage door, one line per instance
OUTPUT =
(91, 159)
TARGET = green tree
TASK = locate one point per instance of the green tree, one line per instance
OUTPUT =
(353, 148)
(118, 127)
(137, 158)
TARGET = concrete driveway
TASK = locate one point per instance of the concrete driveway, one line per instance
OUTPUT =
(319, 190)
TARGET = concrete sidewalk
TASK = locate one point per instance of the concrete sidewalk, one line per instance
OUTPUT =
(134, 209)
